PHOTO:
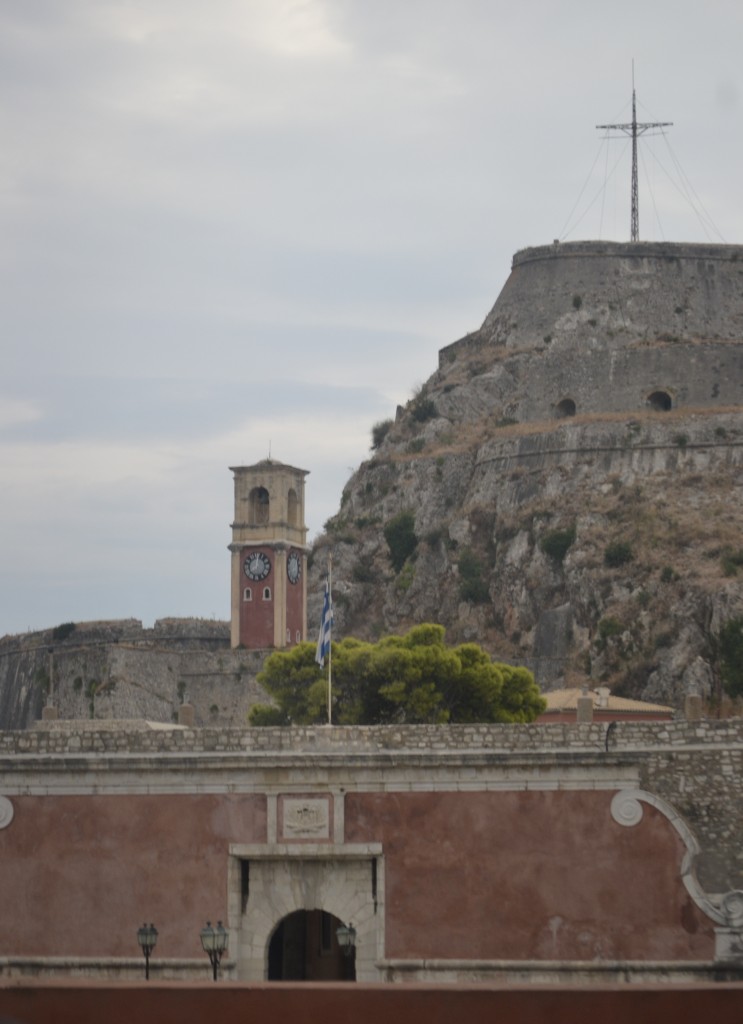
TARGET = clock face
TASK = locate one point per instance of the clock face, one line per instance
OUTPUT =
(293, 567)
(257, 566)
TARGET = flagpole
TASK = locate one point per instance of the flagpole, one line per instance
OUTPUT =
(330, 646)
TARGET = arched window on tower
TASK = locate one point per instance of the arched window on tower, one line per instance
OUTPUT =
(247, 594)
(293, 508)
(258, 506)
(266, 593)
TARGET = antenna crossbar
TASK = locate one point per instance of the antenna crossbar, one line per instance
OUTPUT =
(635, 128)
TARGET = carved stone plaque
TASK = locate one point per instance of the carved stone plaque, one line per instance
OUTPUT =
(305, 818)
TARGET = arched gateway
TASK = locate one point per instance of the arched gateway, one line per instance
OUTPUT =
(290, 900)
(304, 947)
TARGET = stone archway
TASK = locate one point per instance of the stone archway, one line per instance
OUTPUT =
(269, 884)
(304, 947)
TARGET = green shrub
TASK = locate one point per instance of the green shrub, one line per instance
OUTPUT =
(379, 431)
(472, 586)
(607, 628)
(610, 627)
(557, 542)
(617, 553)
(474, 591)
(422, 407)
(405, 580)
(435, 537)
(401, 539)
(668, 575)
(363, 572)
(729, 643)
(63, 631)
(731, 561)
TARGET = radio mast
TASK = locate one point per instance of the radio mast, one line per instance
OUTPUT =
(635, 128)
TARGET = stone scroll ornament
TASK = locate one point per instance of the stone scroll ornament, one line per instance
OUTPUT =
(6, 812)
(627, 810)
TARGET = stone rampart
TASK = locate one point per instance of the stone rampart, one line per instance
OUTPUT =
(606, 327)
(119, 669)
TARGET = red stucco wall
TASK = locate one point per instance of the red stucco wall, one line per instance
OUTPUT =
(483, 875)
(368, 1004)
(521, 875)
(80, 874)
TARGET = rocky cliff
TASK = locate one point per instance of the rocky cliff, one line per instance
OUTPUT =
(566, 487)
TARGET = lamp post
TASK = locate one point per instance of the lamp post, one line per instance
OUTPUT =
(214, 943)
(147, 938)
(346, 936)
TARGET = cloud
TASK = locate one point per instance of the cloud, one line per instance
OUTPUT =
(16, 412)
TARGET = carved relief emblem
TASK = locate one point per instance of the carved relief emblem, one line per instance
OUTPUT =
(306, 818)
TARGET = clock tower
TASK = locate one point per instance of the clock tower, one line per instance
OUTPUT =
(269, 556)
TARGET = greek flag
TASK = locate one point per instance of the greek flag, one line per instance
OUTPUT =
(326, 625)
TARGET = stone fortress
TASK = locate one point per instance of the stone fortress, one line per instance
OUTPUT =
(607, 327)
(601, 397)
(602, 394)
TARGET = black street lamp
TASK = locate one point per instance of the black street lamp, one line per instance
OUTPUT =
(214, 943)
(147, 938)
(346, 936)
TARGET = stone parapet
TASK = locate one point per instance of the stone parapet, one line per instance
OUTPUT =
(74, 737)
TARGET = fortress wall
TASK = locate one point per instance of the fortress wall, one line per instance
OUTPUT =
(607, 295)
(692, 291)
(119, 669)
(606, 379)
(602, 378)
(587, 449)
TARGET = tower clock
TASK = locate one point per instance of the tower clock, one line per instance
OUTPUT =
(269, 556)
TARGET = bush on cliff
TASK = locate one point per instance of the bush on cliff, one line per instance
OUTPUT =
(729, 647)
(399, 533)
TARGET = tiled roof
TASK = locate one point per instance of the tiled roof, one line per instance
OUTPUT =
(567, 700)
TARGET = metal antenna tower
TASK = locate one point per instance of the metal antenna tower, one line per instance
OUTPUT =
(634, 129)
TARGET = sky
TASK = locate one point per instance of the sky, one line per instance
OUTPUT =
(246, 227)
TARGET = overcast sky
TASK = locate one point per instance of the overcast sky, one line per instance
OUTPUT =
(236, 226)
